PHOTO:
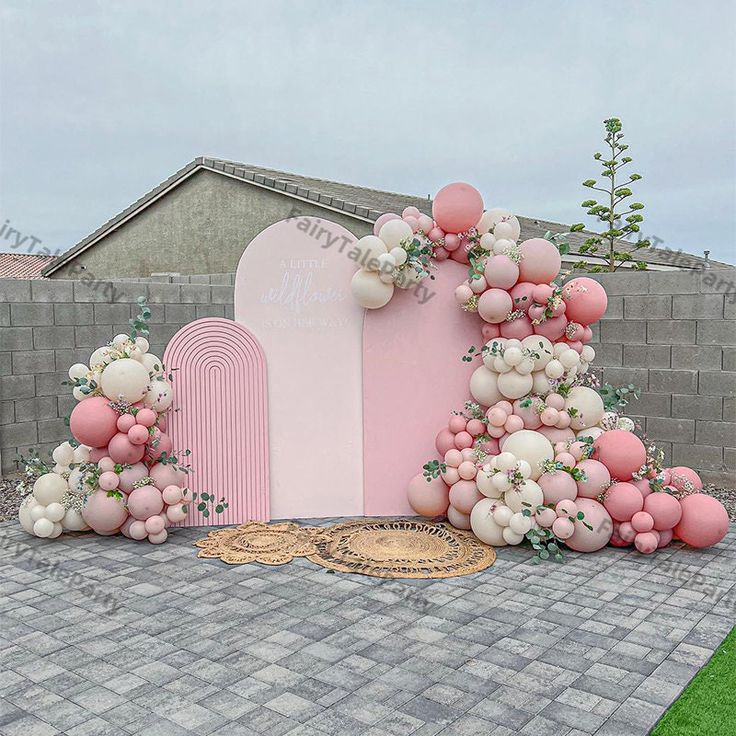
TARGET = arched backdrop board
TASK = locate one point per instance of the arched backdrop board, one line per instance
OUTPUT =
(292, 291)
(413, 377)
(220, 385)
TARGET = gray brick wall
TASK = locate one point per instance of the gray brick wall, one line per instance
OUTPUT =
(671, 333)
(46, 326)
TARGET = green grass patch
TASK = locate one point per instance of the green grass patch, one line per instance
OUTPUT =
(708, 705)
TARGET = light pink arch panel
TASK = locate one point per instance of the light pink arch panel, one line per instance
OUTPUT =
(413, 377)
(292, 291)
(221, 415)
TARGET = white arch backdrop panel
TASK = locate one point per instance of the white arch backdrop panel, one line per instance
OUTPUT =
(292, 291)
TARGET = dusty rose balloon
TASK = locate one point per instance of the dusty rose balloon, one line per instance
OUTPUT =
(553, 328)
(123, 451)
(641, 521)
(513, 424)
(501, 272)
(176, 514)
(453, 458)
(563, 528)
(623, 453)
(521, 296)
(546, 517)
(566, 459)
(555, 434)
(166, 475)
(125, 528)
(452, 242)
(137, 530)
(489, 331)
(145, 502)
(704, 521)
(643, 485)
(159, 538)
(103, 513)
(584, 539)
(598, 478)
(146, 417)
(566, 507)
(616, 539)
(460, 256)
(155, 450)
(463, 440)
(626, 531)
(382, 220)
(93, 422)
(456, 423)
(540, 261)
(558, 486)
(450, 476)
(125, 422)
(154, 525)
(646, 542)
(665, 537)
(475, 427)
(467, 470)
(172, 494)
(457, 207)
(464, 495)
(666, 510)
(444, 440)
(428, 498)
(622, 501)
(542, 293)
(586, 300)
(131, 475)
(685, 479)
(106, 463)
(440, 254)
(458, 519)
(493, 306)
(528, 414)
(97, 453)
(426, 223)
(108, 480)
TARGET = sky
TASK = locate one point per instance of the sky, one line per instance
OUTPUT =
(101, 101)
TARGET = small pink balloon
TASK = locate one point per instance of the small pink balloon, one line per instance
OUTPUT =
(587, 334)
(563, 420)
(167, 475)
(426, 223)
(463, 440)
(643, 485)
(104, 514)
(529, 414)
(665, 537)
(458, 519)
(457, 423)
(159, 538)
(436, 234)
(106, 463)
(382, 220)
(176, 514)
(553, 328)
(453, 458)
(410, 211)
(563, 528)
(463, 293)
(517, 329)
(646, 542)
(494, 305)
(622, 501)
(452, 242)
(513, 424)
(549, 417)
(467, 470)
(441, 254)
(557, 486)
(137, 529)
(577, 450)
(138, 434)
(123, 451)
(666, 511)
(489, 331)
(597, 478)
(490, 446)
(450, 475)
(157, 448)
(467, 454)
(496, 432)
(457, 207)
(623, 453)
(555, 400)
(566, 508)
(540, 261)
(626, 531)
(444, 440)
(464, 495)
(131, 475)
(521, 295)
(97, 453)
(546, 517)
(501, 272)
(566, 459)
(125, 422)
(146, 417)
(172, 494)
(616, 539)
(641, 521)
(497, 416)
(144, 502)
(542, 293)
(475, 427)
(412, 222)
(154, 524)
(586, 300)
(428, 498)
(704, 521)
(108, 480)
(536, 312)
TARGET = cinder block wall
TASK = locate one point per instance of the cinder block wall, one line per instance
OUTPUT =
(673, 334)
(47, 325)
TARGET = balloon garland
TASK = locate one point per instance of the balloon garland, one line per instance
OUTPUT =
(119, 474)
(534, 455)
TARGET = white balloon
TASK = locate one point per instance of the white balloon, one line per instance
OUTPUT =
(592, 432)
(81, 454)
(49, 488)
(587, 406)
(483, 524)
(626, 424)
(520, 524)
(153, 364)
(101, 356)
(502, 515)
(399, 255)
(43, 528)
(588, 354)
(125, 379)
(142, 344)
(513, 385)
(63, 454)
(386, 277)
(504, 461)
(513, 355)
(487, 241)
(484, 481)
(559, 348)
(78, 370)
(369, 291)
(525, 367)
(502, 246)
(73, 521)
(540, 383)
(394, 232)
(501, 481)
(38, 512)
(500, 365)
(484, 386)
(531, 446)
(386, 262)
(121, 339)
(511, 537)
(159, 395)
(24, 513)
(554, 369)
(58, 529)
(55, 512)
(504, 230)
(78, 394)
(541, 347)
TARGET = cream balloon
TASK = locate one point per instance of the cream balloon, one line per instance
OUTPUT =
(371, 248)
(56, 531)
(502, 515)
(159, 395)
(24, 513)
(43, 527)
(101, 356)
(394, 232)
(369, 291)
(63, 454)
(73, 521)
(78, 370)
(484, 386)
(540, 383)
(520, 524)
(531, 446)
(153, 364)
(484, 481)
(529, 496)
(592, 432)
(125, 379)
(81, 454)
(511, 537)
(399, 255)
(49, 488)
(513, 385)
(585, 407)
(483, 524)
(79, 395)
(142, 344)
(55, 512)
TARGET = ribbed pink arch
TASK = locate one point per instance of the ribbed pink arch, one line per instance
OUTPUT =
(220, 413)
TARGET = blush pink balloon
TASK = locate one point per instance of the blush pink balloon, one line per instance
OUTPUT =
(105, 464)
(382, 220)
(704, 521)
(518, 328)
(494, 305)
(145, 502)
(553, 328)
(622, 501)
(563, 528)
(172, 494)
(436, 234)
(125, 528)
(626, 531)
(457, 423)
(410, 211)
(123, 451)
(460, 256)
(641, 521)
(475, 427)
(646, 542)
(458, 519)
(490, 446)
(542, 293)
(176, 514)
(490, 331)
(452, 242)
(521, 295)
(513, 424)
(566, 459)
(125, 422)
(586, 300)
(666, 510)
(412, 222)
(596, 516)
(540, 261)
(501, 272)
(426, 223)
(587, 334)
(623, 453)
(616, 539)
(131, 475)
(138, 434)
(97, 453)
(104, 514)
(93, 422)
(554, 434)
(545, 517)
(154, 524)
(457, 207)
(146, 417)
(643, 485)
(685, 479)
(463, 440)
(167, 475)
(108, 480)
(665, 537)
(598, 478)
(441, 254)
(163, 445)
(428, 498)
(557, 486)
(528, 414)
(444, 441)
(464, 495)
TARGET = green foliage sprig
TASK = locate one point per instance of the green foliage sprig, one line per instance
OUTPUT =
(617, 397)
(139, 323)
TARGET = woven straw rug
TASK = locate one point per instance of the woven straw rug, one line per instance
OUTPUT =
(385, 548)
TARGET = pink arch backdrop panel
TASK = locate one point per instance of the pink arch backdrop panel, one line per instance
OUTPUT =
(413, 377)
(221, 415)
(292, 291)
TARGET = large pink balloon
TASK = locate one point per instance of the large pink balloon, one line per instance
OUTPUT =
(93, 422)
(623, 500)
(163, 445)
(122, 450)
(444, 441)
(501, 272)
(494, 305)
(457, 207)
(586, 300)
(664, 509)
(521, 295)
(105, 514)
(685, 479)
(131, 475)
(597, 478)
(464, 495)
(584, 539)
(540, 261)
(428, 498)
(704, 521)
(623, 453)
(145, 502)
(167, 475)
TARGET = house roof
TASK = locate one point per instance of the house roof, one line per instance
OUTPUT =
(23, 265)
(355, 201)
